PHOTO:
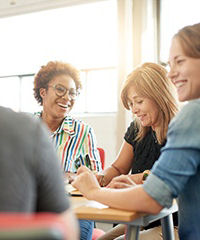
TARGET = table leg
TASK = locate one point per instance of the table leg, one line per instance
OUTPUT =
(132, 232)
(167, 227)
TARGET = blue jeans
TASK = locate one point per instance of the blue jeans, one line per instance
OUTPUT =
(86, 229)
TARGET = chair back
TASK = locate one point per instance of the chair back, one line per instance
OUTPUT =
(102, 157)
(41, 226)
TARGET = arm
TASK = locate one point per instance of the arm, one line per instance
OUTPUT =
(122, 164)
(90, 147)
(140, 200)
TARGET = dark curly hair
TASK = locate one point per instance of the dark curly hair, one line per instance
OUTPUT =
(52, 70)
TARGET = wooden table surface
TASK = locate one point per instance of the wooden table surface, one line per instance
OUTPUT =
(86, 209)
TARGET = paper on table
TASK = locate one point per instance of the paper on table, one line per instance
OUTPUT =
(72, 191)
(69, 188)
(95, 204)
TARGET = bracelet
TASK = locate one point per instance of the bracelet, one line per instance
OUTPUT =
(145, 175)
(102, 182)
(116, 168)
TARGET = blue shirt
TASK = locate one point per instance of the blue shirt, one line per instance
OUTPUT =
(176, 174)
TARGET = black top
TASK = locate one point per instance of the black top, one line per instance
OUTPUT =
(146, 153)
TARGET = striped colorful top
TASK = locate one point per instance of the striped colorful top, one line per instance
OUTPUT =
(76, 144)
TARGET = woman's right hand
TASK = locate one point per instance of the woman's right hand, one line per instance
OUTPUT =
(122, 181)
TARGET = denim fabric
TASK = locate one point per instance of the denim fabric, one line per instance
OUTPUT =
(86, 229)
(177, 172)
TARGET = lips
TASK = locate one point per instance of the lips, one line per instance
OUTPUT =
(180, 84)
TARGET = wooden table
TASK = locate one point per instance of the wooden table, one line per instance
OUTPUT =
(91, 210)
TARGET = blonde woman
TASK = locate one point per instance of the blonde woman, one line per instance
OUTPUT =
(151, 97)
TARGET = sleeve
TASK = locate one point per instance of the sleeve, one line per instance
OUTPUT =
(179, 159)
(51, 195)
(131, 134)
(93, 151)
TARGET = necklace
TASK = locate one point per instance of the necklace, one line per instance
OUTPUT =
(154, 137)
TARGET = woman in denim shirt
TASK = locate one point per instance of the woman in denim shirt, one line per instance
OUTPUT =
(176, 174)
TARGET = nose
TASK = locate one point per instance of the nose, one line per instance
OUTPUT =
(134, 109)
(172, 74)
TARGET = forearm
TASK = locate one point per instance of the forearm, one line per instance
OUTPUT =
(109, 174)
(139, 201)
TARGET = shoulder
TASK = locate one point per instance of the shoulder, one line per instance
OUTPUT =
(132, 129)
(18, 121)
(184, 128)
(188, 117)
(73, 125)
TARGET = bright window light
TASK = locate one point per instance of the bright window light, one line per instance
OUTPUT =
(176, 14)
(84, 35)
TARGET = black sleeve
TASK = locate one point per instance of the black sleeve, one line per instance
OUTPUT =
(131, 134)
(51, 196)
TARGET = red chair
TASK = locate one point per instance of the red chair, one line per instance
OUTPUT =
(98, 232)
(41, 226)
(102, 157)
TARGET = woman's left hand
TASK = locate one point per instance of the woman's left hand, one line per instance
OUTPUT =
(122, 181)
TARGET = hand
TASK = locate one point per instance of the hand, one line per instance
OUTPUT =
(86, 182)
(69, 177)
(122, 181)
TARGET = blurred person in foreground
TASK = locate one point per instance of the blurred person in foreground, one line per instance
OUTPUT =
(30, 177)
(152, 98)
(56, 88)
(176, 174)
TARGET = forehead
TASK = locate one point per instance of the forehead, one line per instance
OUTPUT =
(64, 80)
(132, 93)
(175, 50)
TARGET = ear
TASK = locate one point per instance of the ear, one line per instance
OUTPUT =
(43, 92)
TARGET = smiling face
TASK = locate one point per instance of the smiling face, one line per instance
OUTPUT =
(54, 106)
(145, 109)
(184, 72)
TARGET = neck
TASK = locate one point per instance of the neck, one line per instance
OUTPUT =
(52, 123)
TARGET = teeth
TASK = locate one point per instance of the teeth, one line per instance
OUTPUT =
(62, 105)
(180, 84)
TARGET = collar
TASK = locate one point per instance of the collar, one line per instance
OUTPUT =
(67, 125)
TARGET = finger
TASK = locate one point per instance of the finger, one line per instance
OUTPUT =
(82, 169)
(121, 185)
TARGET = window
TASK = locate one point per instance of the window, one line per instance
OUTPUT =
(175, 15)
(84, 35)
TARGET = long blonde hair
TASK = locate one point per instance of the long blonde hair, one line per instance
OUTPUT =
(150, 81)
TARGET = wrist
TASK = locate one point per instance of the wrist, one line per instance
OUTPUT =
(102, 181)
(145, 175)
(92, 194)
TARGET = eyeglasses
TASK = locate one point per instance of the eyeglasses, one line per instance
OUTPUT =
(61, 91)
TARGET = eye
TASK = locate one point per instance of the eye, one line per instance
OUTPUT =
(60, 89)
(140, 101)
(179, 61)
(72, 93)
